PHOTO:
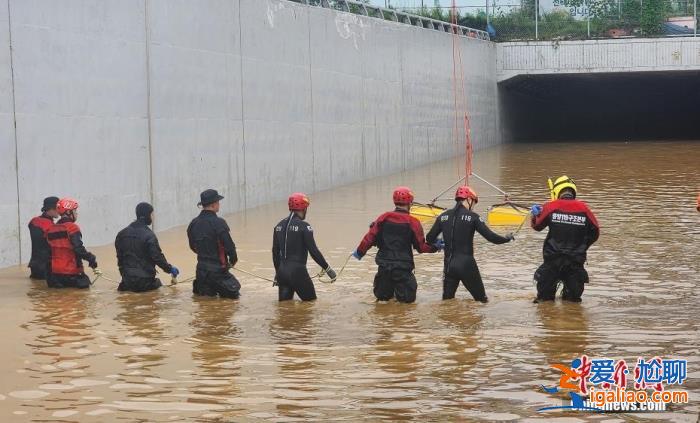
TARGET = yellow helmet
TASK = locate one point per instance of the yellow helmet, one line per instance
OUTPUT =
(559, 184)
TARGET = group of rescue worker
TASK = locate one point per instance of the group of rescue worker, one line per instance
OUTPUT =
(58, 251)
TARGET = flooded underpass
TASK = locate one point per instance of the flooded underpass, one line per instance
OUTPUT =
(99, 355)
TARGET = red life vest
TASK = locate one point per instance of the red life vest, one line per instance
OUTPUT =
(41, 222)
(63, 258)
(40, 248)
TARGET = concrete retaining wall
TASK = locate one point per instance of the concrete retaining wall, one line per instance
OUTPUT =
(120, 101)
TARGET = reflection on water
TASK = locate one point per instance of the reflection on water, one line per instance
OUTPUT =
(140, 317)
(565, 331)
(101, 355)
(59, 323)
(297, 358)
(214, 348)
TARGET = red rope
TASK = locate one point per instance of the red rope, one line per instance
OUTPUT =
(457, 58)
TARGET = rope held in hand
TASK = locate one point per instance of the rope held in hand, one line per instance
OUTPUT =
(98, 274)
(337, 275)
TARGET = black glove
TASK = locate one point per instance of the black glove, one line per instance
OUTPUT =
(93, 264)
(331, 274)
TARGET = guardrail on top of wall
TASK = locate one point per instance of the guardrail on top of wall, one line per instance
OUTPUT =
(364, 9)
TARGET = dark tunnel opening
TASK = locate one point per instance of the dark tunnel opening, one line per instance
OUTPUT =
(602, 107)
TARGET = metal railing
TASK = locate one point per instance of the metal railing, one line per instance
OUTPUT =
(597, 19)
(378, 12)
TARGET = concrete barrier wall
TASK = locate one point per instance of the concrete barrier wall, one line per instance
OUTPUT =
(81, 109)
(597, 56)
(9, 228)
(121, 101)
(195, 105)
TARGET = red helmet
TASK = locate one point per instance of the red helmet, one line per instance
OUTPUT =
(466, 193)
(65, 205)
(403, 195)
(298, 201)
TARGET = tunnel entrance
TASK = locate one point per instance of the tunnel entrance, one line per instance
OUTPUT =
(606, 107)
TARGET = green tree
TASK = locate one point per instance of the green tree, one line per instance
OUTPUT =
(630, 13)
(653, 15)
(437, 14)
(477, 21)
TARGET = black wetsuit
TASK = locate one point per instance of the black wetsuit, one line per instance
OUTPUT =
(573, 228)
(138, 253)
(209, 236)
(458, 226)
(292, 242)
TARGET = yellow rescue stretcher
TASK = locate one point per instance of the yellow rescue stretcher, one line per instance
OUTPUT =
(507, 214)
(426, 212)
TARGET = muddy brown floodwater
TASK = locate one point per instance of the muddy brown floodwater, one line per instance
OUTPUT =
(98, 355)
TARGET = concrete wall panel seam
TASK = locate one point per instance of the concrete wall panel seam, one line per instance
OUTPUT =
(151, 189)
(14, 122)
(243, 138)
(311, 103)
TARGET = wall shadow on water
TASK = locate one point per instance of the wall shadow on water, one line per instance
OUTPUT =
(605, 107)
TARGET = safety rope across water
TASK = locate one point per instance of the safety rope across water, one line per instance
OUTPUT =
(99, 274)
(337, 275)
(318, 276)
(174, 281)
(254, 275)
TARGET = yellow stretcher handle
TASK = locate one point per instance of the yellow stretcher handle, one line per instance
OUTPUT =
(551, 188)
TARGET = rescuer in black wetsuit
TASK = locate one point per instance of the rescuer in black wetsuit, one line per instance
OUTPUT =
(138, 253)
(41, 252)
(573, 228)
(396, 234)
(458, 226)
(292, 242)
(210, 238)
